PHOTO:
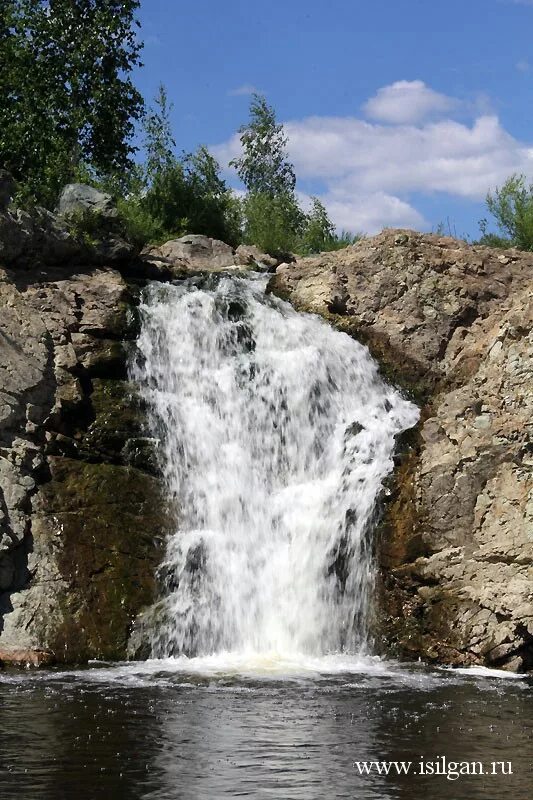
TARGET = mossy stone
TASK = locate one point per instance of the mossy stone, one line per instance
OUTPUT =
(113, 522)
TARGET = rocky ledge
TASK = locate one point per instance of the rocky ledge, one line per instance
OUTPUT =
(452, 325)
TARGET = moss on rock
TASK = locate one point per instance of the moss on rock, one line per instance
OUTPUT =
(109, 523)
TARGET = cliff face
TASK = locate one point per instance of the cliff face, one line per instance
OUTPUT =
(82, 515)
(452, 324)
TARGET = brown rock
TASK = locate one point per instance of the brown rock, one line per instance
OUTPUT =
(26, 658)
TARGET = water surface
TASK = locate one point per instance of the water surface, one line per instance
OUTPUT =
(268, 728)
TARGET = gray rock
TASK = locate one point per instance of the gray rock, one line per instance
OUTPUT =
(195, 253)
(249, 255)
(40, 237)
(79, 197)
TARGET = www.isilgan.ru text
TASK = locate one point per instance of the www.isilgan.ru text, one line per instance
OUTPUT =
(440, 767)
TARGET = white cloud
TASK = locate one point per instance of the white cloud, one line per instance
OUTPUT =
(366, 172)
(243, 91)
(445, 156)
(366, 213)
(405, 102)
(523, 65)
(369, 213)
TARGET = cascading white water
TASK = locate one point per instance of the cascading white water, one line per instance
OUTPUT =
(276, 434)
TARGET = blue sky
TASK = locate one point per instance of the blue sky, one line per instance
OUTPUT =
(399, 112)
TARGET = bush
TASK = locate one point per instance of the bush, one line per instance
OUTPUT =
(274, 224)
(138, 225)
(512, 207)
(319, 234)
(87, 226)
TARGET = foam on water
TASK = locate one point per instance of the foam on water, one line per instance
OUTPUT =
(485, 672)
(276, 433)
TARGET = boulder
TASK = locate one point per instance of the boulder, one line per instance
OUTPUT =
(39, 237)
(79, 197)
(194, 254)
(248, 255)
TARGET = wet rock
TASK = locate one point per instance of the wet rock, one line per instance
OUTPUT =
(353, 429)
(26, 658)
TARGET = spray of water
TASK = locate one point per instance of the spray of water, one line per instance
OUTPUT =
(276, 433)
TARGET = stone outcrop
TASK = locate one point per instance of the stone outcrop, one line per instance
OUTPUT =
(453, 325)
(82, 514)
(76, 197)
(195, 253)
(88, 232)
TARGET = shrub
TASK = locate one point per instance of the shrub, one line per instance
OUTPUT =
(272, 223)
(512, 208)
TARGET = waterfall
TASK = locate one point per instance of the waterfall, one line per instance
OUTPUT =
(276, 433)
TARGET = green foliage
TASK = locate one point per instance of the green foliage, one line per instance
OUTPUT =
(272, 223)
(67, 95)
(159, 142)
(512, 207)
(319, 233)
(263, 166)
(210, 207)
(345, 239)
(273, 219)
(86, 225)
(234, 218)
(172, 196)
(138, 224)
(490, 239)
(68, 113)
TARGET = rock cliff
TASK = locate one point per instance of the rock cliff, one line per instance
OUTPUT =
(452, 324)
(82, 515)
